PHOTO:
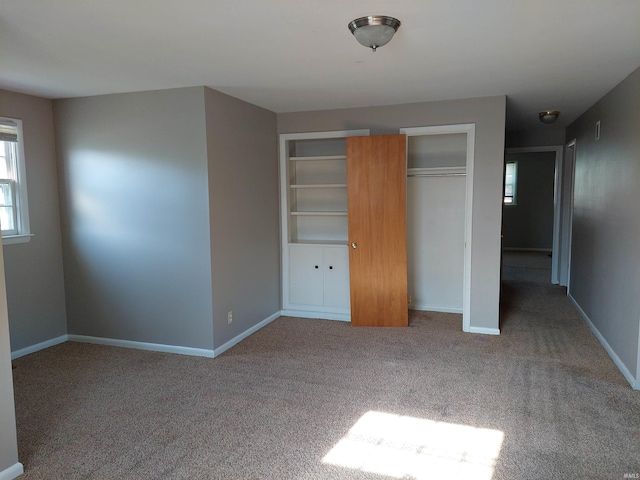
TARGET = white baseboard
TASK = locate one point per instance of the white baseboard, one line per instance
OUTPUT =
(234, 341)
(154, 347)
(14, 471)
(435, 308)
(635, 383)
(484, 331)
(37, 347)
(342, 317)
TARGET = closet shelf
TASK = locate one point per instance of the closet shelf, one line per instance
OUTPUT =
(319, 242)
(318, 214)
(319, 157)
(436, 171)
(323, 185)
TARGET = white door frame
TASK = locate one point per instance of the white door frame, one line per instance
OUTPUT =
(557, 202)
(470, 130)
(567, 214)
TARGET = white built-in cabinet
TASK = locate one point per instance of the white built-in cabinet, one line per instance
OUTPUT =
(319, 276)
(315, 256)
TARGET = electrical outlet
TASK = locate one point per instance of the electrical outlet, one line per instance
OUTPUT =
(229, 317)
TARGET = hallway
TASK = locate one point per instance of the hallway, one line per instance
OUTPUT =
(580, 399)
(527, 289)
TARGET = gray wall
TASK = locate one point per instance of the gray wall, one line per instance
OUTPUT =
(488, 114)
(542, 136)
(244, 214)
(135, 216)
(35, 281)
(8, 439)
(605, 256)
(529, 223)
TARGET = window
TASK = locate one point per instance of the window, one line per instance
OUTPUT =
(14, 217)
(510, 181)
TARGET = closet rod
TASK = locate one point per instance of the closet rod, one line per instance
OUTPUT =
(436, 175)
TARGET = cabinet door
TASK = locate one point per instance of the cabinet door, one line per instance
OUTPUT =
(376, 193)
(336, 277)
(306, 275)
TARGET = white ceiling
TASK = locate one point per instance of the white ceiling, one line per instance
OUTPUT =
(288, 55)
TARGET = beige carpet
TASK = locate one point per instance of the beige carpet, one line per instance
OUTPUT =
(316, 399)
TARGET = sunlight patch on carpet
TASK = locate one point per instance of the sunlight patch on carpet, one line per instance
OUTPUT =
(416, 448)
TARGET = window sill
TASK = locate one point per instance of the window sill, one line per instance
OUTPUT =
(11, 239)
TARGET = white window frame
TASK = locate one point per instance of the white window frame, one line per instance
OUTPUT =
(22, 232)
(514, 185)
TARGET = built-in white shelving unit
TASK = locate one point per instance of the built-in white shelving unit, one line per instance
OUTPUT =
(315, 258)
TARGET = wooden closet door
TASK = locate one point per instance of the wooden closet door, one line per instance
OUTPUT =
(376, 194)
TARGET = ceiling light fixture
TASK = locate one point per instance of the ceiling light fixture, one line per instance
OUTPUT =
(374, 31)
(549, 116)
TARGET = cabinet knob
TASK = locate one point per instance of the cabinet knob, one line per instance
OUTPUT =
(330, 267)
(354, 245)
(316, 266)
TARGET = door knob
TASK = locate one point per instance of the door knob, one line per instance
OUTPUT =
(354, 245)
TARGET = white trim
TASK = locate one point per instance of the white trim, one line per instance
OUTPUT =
(319, 214)
(314, 158)
(470, 130)
(318, 315)
(237, 339)
(567, 209)
(14, 471)
(13, 239)
(634, 382)
(435, 308)
(485, 331)
(24, 227)
(157, 347)
(39, 346)
(436, 171)
(557, 215)
(154, 347)
(326, 134)
(557, 201)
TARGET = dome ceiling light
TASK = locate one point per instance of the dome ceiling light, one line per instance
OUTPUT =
(549, 116)
(374, 31)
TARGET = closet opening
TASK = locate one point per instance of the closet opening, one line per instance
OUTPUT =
(439, 203)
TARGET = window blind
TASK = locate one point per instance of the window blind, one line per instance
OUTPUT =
(8, 132)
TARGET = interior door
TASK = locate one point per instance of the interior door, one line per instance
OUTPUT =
(376, 195)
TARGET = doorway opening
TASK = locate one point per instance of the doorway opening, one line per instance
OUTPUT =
(533, 205)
